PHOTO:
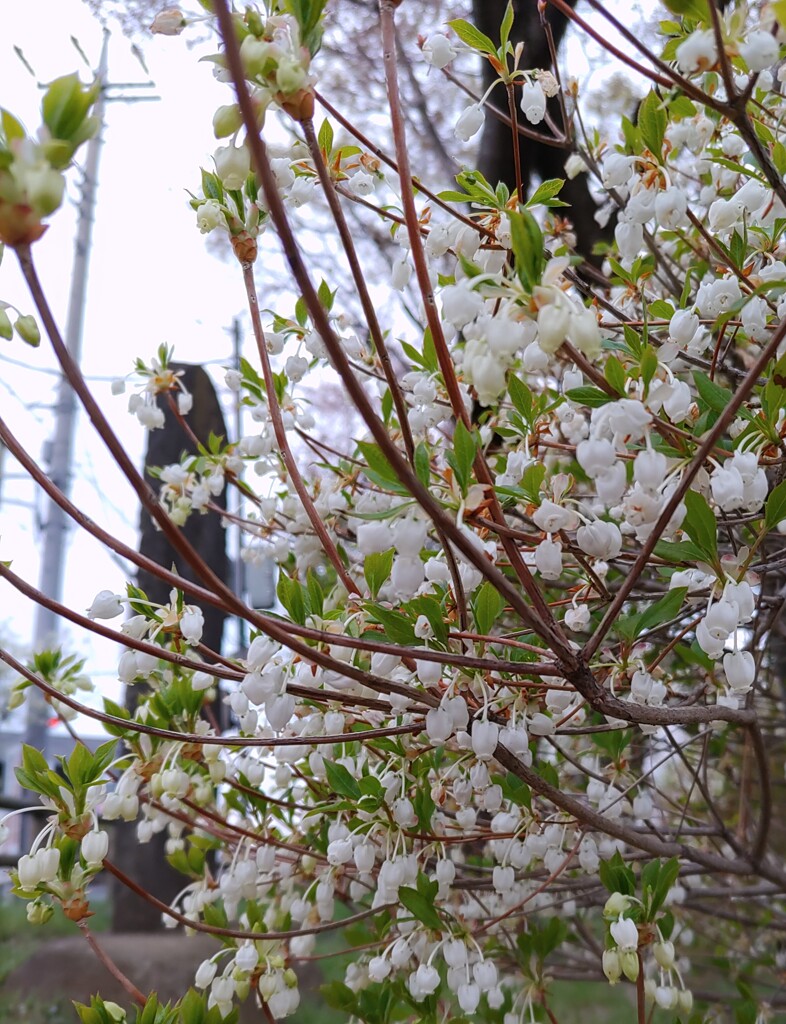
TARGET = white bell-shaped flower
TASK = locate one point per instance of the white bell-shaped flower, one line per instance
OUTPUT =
(548, 559)
(595, 455)
(740, 670)
(649, 469)
(438, 51)
(533, 102)
(485, 736)
(469, 123)
(728, 489)
(722, 619)
(551, 517)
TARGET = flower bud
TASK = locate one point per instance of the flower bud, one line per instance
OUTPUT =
(740, 670)
(616, 904)
(6, 329)
(227, 120)
(629, 960)
(612, 967)
(664, 954)
(27, 329)
(38, 912)
(45, 187)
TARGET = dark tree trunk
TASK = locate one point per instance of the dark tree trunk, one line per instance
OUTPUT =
(146, 864)
(496, 160)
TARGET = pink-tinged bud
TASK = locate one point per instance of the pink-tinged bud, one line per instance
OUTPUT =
(169, 22)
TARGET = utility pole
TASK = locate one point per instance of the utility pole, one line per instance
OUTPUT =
(61, 447)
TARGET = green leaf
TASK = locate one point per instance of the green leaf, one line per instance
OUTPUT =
(339, 996)
(527, 242)
(775, 508)
(663, 610)
(424, 806)
(506, 26)
(616, 876)
(472, 36)
(451, 196)
(316, 596)
(520, 396)
(487, 606)
(700, 524)
(532, 481)
(290, 594)
(420, 908)
(614, 372)
(545, 192)
(463, 455)
(432, 609)
(325, 137)
(593, 398)
(679, 551)
(514, 789)
(652, 122)
(667, 876)
(341, 782)
(379, 470)
(376, 569)
(779, 157)
(398, 628)
(423, 463)
(661, 309)
(649, 363)
(12, 129)
(716, 397)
